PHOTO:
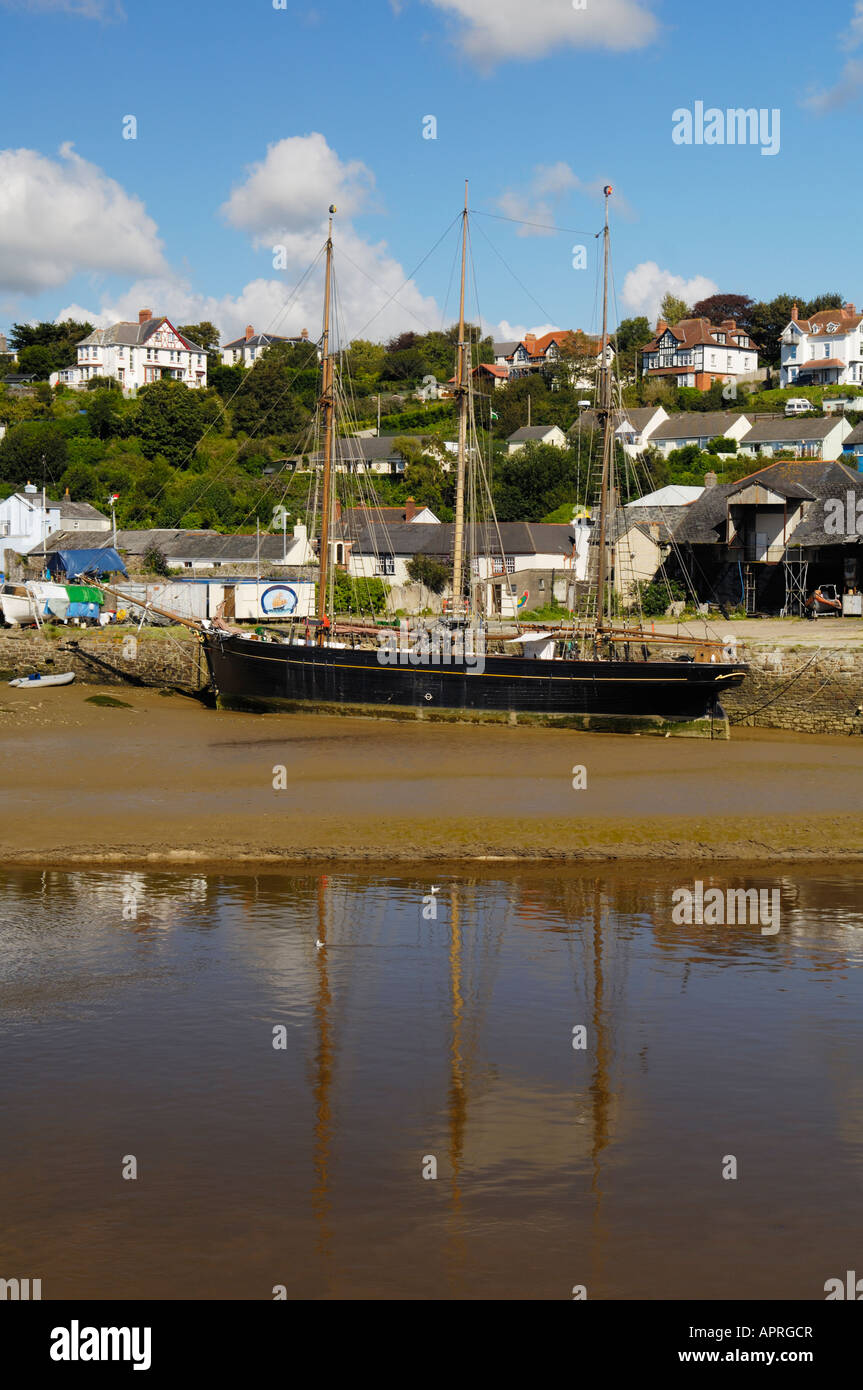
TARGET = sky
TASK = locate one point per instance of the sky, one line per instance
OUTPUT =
(182, 156)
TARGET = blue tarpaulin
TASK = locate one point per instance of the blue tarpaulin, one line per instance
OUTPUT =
(75, 563)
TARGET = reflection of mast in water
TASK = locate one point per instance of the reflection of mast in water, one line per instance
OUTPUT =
(457, 1086)
(599, 1086)
(321, 1203)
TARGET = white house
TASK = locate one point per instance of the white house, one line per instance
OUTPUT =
(825, 349)
(696, 353)
(245, 351)
(136, 354)
(25, 523)
(536, 434)
(633, 429)
(698, 427)
(804, 438)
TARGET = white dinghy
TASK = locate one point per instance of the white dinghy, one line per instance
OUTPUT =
(66, 678)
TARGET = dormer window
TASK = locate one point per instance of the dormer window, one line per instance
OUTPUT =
(831, 327)
(720, 337)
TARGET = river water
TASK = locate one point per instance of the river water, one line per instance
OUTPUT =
(432, 1030)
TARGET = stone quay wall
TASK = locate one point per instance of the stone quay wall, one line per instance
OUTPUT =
(107, 656)
(787, 688)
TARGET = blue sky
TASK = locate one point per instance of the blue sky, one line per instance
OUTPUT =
(250, 119)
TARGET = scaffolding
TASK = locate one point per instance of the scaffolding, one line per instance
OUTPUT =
(796, 583)
(748, 590)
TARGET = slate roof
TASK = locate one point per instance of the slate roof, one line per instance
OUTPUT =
(639, 418)
(517, 538)
(696, 424)
(693, 332)
(796, 429)
(703, 523)
(531, 432)
(262, 340)
(132, 335)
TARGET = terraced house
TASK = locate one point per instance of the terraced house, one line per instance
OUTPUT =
(696, 353)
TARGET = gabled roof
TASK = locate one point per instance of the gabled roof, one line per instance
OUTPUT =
(805, 483)
(532, 432)
(133, 335)
(504, 349)
(845, 322)
(261, 340)
(516, 537)
(697, 424)
(797, 428)
(692, 332)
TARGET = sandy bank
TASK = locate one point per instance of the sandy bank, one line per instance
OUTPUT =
(166, 781)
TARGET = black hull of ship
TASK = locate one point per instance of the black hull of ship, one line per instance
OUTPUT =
(649, 696)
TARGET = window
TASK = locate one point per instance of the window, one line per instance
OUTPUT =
(387, 564)
(187, 564)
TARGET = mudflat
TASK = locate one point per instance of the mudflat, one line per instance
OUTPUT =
(164, 780)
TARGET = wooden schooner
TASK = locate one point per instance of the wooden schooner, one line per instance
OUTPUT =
(606, 675)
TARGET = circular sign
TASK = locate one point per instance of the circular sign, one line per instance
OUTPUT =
(279, 599)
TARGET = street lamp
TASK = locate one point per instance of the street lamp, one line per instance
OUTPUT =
(115, 497)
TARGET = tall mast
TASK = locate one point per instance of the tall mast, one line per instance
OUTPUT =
(329, 422)
(604, 417)
(462, 393)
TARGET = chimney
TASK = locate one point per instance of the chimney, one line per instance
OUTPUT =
(730, 324)
(661, 326)
(305, 333)
(337, 509)
(144, 315)
(250, 332)
(710, 480)
(794, 313)
(411, 509)
(529, 340)
(849, 311)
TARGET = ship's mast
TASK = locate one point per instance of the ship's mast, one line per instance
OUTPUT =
(604, 417)
(327, 404)
(462, 393)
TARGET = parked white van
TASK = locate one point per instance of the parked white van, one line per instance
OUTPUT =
(798, 405)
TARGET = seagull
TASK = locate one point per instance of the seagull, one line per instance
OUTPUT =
(319, 945)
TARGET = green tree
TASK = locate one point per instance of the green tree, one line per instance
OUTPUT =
(168, 420)
(534, 481)
(61, 338)
(103, 421)
(673, 309)
(204, 334)
(154, 561)
(428, 572)
(33, 450)
(268, 400)
(631, 335)
(36, 361)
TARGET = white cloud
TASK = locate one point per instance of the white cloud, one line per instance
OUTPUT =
(846, 90)
(537, 204)
(850, 85)
(282, 205)
(84, 9)
(289, 191)
(853, 36)
(505, 332)
(60, 217)
(646, 285)
(494, 30)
